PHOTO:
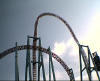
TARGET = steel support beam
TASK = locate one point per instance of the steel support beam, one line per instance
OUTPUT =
(16, 65)
(28, 62)
(52, 67)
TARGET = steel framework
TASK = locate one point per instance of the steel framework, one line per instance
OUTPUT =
(87, 63)
(34, 47)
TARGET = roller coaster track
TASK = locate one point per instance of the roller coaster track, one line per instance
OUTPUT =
(69, 28)
(23, 47)
(35, 35)
(35, 47)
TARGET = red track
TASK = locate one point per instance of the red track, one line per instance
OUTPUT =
(23, 47)
(34, 47)
(35, 35)
(69, 28)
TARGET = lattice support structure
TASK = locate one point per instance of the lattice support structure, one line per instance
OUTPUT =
(34, 47)
(28, 62)
(51, 66)
(42, 63)
(87, 63)
(57, 58)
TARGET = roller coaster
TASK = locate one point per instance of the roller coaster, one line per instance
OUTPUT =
(34, 75)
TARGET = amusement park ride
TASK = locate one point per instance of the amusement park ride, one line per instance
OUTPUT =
(37, 63)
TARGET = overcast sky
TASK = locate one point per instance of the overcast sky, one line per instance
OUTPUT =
(17, 18)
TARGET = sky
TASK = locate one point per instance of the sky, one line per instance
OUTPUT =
(17, 18)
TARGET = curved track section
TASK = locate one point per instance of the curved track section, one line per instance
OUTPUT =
(35, 35)
(23, 47)
(67, 25)
(58, 17)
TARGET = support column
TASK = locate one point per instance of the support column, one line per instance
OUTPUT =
(81, 78)
(42, 63)
(28, 62)
(16, 65)
(52, 67)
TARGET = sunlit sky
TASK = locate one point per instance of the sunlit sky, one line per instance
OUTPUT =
(17, 18)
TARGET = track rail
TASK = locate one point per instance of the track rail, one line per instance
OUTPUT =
(36, 33)
(58, 17)
(67, 26)
(23, 47)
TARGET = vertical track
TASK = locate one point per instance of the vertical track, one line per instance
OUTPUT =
(34, 64)
(34, 52)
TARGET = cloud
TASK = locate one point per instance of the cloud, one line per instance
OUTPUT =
(71, 44)
(59, 48)
(69, 47)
